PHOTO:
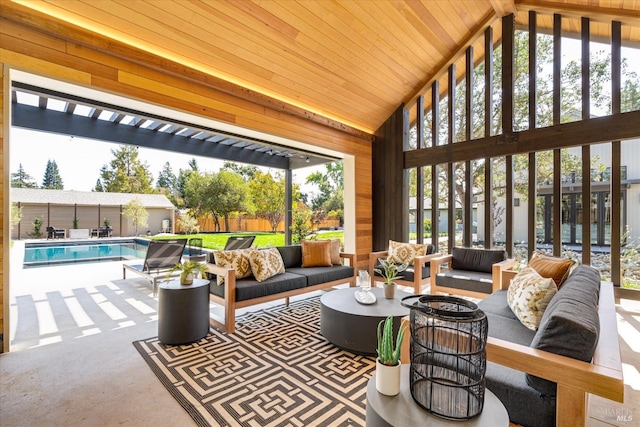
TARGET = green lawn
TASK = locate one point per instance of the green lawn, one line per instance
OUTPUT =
(263, 240)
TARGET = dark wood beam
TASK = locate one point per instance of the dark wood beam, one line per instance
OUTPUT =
(532, 189)
(420, 173)
(435, 173)
(556, 216)
(451, 167)
(468, 178)
(616, 214)
(488, 120)
(586, 149)
(592, 131)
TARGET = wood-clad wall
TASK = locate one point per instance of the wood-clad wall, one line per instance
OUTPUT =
(390, 181)
(34, 43)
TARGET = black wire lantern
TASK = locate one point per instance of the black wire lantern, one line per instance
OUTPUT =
(448, 355)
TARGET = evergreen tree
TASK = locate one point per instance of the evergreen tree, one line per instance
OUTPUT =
(52, 179)
(22, 179)
(126, 173)
(167, 180)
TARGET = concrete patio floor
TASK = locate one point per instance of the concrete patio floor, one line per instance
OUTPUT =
(72, 361)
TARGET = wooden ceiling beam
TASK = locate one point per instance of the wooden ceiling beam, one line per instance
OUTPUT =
(443, 66)
(595, 13)
(503, 7)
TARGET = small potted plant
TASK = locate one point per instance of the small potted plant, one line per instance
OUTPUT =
(388, 360)
(389, 272)
(188, 269)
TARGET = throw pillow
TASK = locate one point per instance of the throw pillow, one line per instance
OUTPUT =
(400, 252)
(316, 253)
(265, 263)
(334, 251)
(528, 296)
(237, 259)
(549, 266)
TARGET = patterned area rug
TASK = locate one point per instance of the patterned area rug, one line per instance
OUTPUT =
(275, 370)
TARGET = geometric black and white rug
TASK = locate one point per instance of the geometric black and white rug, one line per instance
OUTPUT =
(275, 370)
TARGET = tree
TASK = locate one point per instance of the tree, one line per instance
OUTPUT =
(125, 173)
(188, 224)
(22, 179)
(137, 213)
(16, 214)
(52, 179)
(331, 187)
(167, 184)
(300, 218)
(183, 176)
(217, 194)
(268, 197)
(247, 172)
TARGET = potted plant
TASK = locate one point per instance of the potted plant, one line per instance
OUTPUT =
(389, 272)
(188, 269)
(388, 360)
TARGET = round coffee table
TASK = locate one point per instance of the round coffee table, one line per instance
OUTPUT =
(403, 411)
(352, 326)
(183, 311)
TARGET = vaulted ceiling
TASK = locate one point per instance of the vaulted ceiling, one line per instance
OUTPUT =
(351, 61)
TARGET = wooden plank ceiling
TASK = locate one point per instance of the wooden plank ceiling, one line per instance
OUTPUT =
(352, 61)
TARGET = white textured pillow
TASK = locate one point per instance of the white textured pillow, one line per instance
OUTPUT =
(237, 259)
(400, 252)
(266, 263)
(528, 296)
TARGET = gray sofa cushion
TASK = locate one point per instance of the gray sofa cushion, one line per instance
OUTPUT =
(476, 259)
(525, 406)
(250, 288)
(570, 325)
(464, 279)
(503, 324)
(316, 275)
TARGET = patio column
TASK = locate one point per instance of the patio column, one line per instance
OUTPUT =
(288, 200)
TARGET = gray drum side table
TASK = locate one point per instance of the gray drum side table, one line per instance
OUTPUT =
(403, 411)
(183, 311)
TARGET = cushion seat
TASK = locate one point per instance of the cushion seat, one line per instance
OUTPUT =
(468, 280)
(250, 288)
(317, 275)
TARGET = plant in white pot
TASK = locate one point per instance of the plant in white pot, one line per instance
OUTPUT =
(188, 271)
(389, 272)
(388, 360)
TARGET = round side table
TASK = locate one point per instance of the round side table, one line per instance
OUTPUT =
(183, 311)
(352, 326)
(403, 411)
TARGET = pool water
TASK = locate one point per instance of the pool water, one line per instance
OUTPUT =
(41, 254)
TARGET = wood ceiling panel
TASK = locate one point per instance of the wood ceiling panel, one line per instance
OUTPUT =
(353, 61)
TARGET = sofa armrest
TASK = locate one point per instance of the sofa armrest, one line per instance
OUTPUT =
(373, 261)
(436, 263)
(350, 257)
(496, 272)
(507, 276)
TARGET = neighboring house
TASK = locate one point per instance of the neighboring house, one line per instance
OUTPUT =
(58, 208)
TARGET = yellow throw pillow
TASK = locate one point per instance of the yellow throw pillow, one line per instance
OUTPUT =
(265, 263)
(549, 266)
(237, 259)
(316, 253)
(400, 253)
(529, 295)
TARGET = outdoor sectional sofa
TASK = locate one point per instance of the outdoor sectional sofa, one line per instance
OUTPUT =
(543, 377)
(238, 293)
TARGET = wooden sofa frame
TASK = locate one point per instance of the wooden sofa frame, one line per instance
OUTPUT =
(230, 304)
(419, 263)
(496, 274)
(575, 379)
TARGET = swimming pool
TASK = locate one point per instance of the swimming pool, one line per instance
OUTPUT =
(47, 254)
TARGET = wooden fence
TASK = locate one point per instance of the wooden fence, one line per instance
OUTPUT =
(248, 224)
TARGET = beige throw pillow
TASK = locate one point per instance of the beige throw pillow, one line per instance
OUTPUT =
(334, 251)
(405, 252)
(528, 296)
(265, 263)
(237, 259)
